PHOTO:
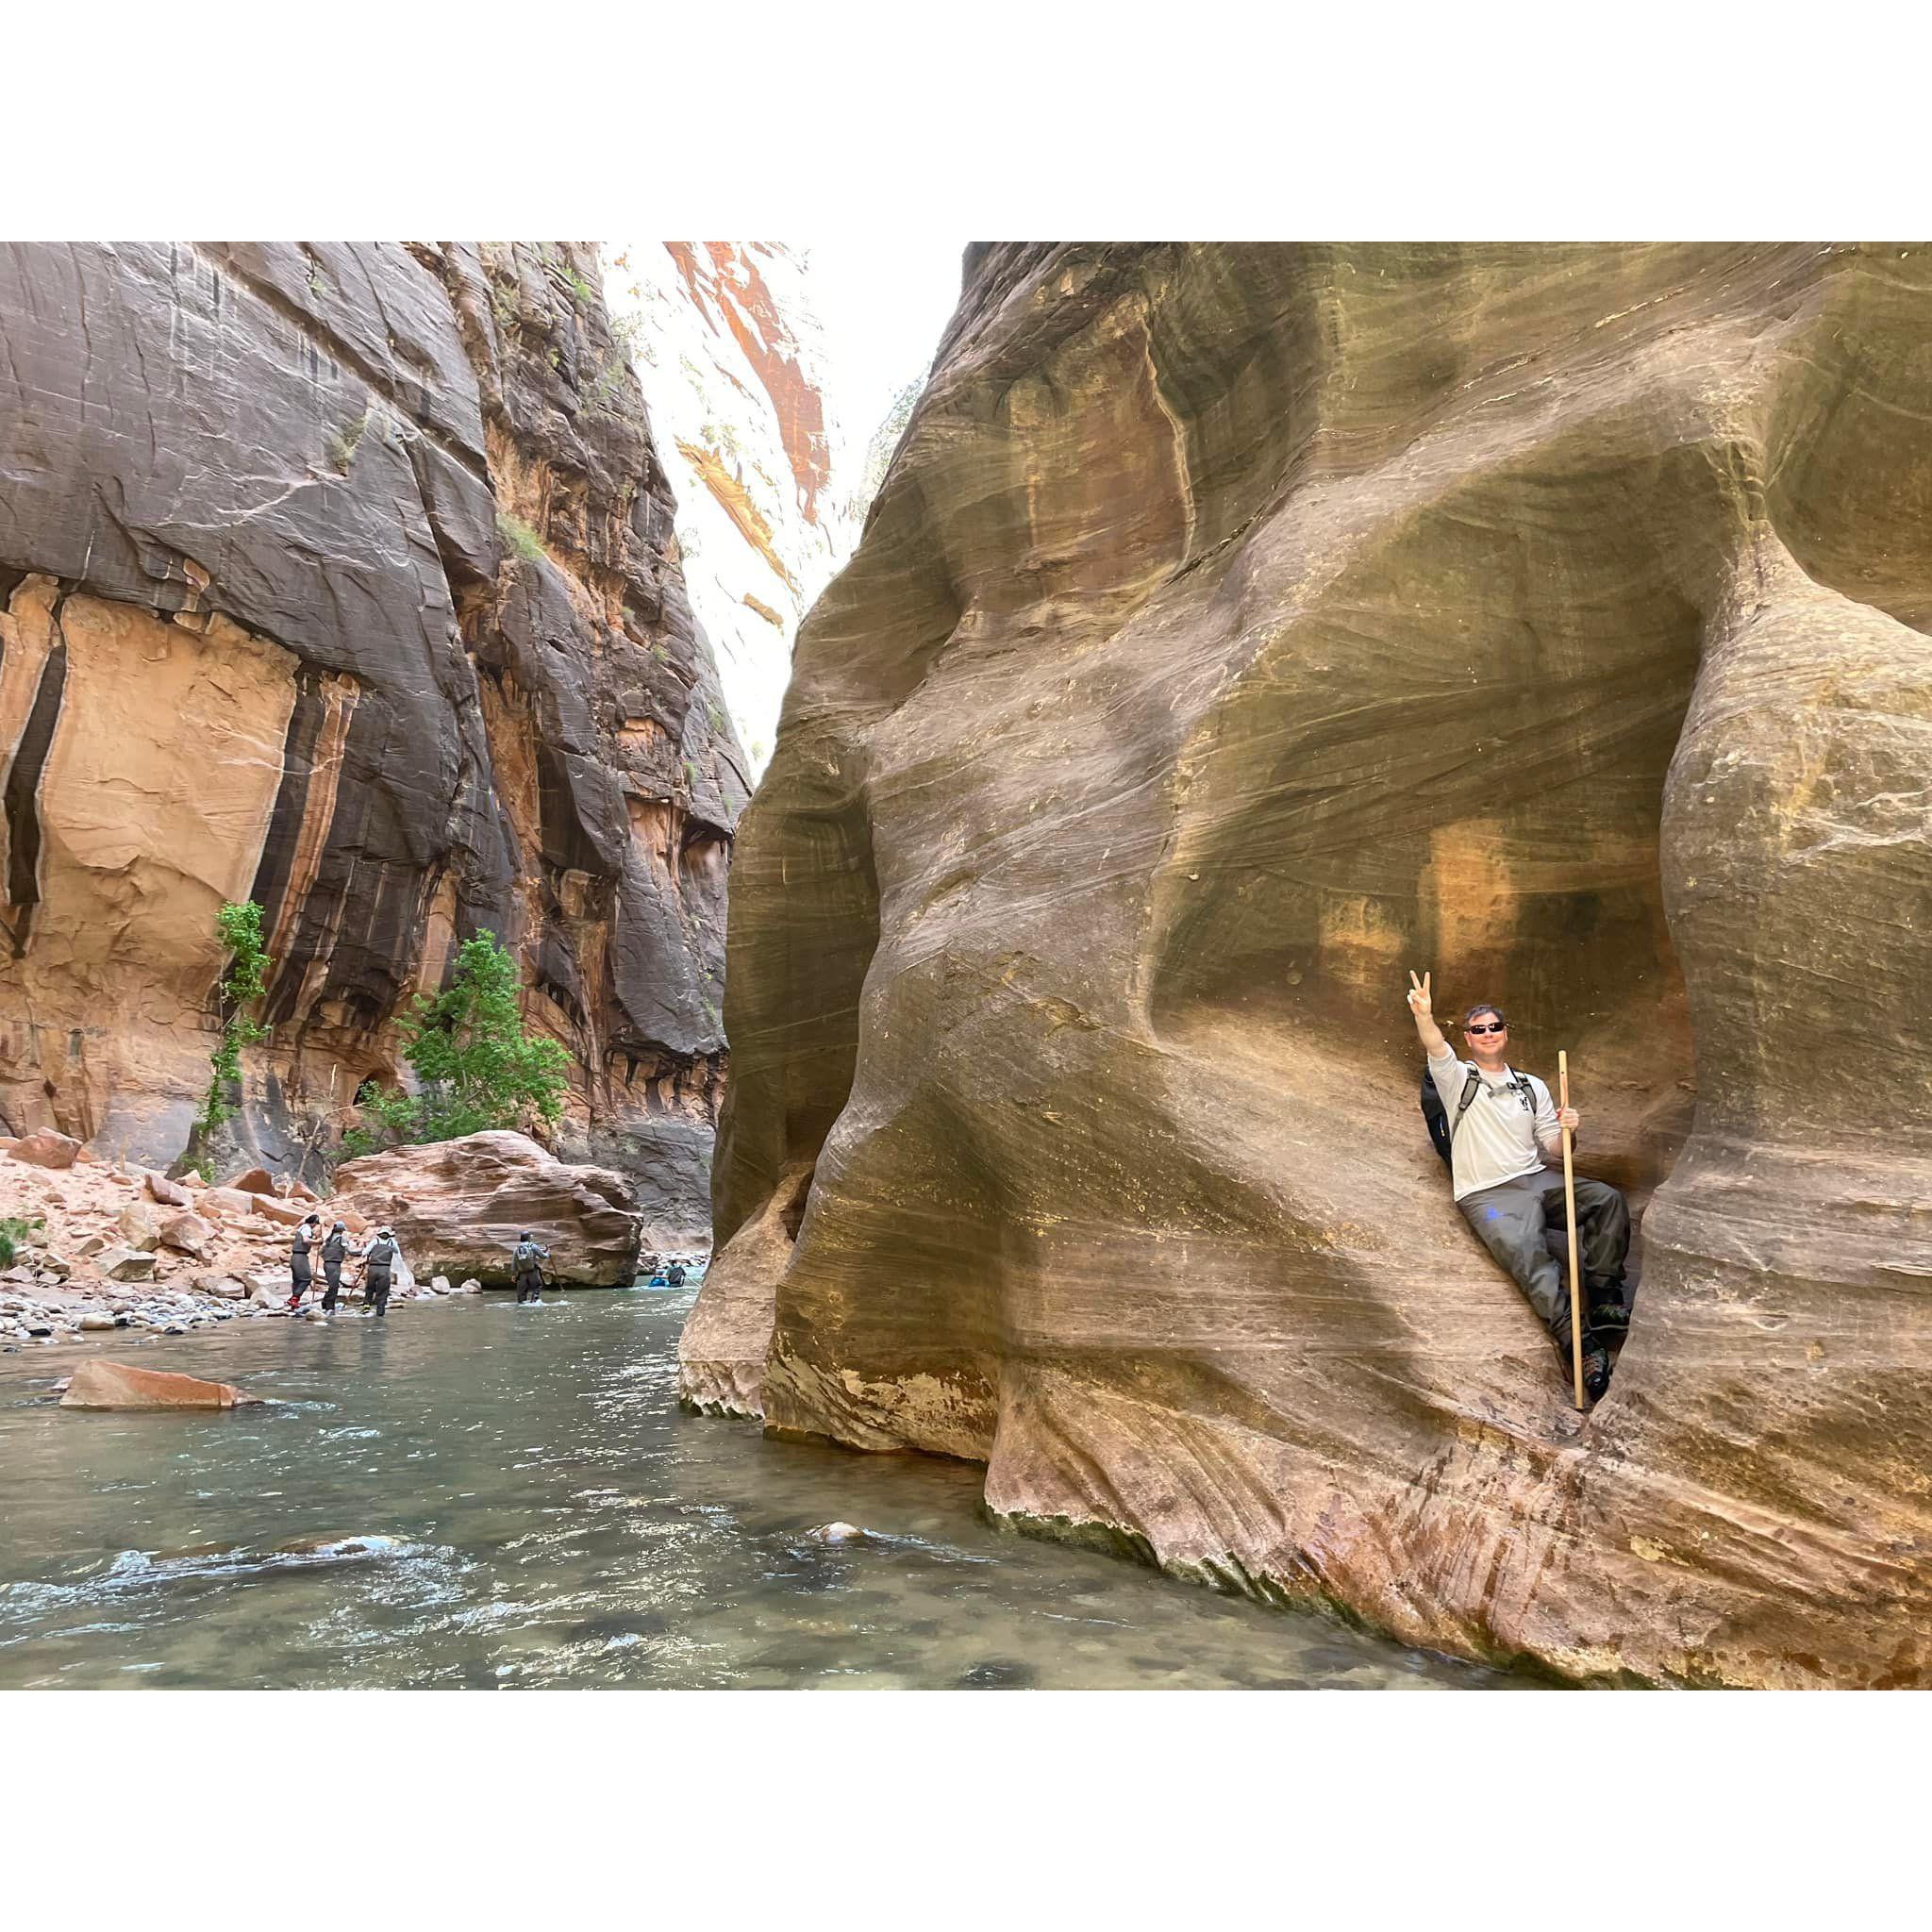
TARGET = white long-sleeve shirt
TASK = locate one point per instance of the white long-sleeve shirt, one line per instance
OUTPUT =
(1500, 1138)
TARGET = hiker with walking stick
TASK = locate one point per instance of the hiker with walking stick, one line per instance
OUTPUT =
(1497, 1130)
(334, 1248)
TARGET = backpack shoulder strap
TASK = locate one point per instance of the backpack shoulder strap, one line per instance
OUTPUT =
(1462, 1106)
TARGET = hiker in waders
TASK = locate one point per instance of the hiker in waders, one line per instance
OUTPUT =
(1496, 1128)
(306, 1238)
(376, 1264)
(526, 1265)
(334, 1247)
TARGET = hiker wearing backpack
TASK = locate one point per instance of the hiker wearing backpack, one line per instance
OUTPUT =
(334, 1249)
(376, 1263)
(526, 1263)
(1496, 1128)
(300, 1272)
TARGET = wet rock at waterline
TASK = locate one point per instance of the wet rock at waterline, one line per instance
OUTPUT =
(721, 1354)
(98, 1384)
(1236, 629)
(342, 577)
(459, 1207)
(839, 1533)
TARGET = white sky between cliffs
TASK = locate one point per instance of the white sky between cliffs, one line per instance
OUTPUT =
(884, 304)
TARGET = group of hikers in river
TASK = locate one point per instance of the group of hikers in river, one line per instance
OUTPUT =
(379, 1261)
(1498, 1129)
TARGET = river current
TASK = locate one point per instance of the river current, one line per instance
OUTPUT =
(474, 1495)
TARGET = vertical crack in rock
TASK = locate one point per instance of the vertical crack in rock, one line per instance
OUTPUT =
(28, 760)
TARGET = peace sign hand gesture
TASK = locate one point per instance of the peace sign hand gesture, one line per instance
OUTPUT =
(1419, 999)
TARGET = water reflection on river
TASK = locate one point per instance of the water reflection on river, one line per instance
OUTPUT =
(474, 1495)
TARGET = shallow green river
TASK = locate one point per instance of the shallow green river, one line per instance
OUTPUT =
(470, 1494)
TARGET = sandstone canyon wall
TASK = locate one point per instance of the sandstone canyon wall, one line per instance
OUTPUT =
(342, 577)
(725, 340)
(1239, 627)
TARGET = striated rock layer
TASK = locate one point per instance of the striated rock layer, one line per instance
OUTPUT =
(1237, 627)
(459, 1208)
(342, 577)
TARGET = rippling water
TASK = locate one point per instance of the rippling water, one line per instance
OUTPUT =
(472, 1495)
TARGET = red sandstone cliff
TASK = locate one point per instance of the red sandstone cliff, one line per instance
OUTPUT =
(342, 577)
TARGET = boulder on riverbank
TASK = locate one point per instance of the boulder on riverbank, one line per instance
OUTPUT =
(114, 1385)
(458, 1208)
(46, 1149)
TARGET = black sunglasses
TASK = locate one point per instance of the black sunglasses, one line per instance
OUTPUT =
(1501, 1027)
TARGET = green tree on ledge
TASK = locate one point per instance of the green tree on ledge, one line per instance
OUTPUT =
(240, 927)
(477, 1067)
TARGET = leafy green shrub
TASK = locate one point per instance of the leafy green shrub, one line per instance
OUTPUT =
(240, 930)
(342, 443)
(14, 1232)
(519, 537)
(478, 1068)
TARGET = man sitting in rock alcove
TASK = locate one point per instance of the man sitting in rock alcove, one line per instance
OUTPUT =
(1503, 1129)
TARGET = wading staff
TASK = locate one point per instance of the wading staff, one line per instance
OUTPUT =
(1569, 1213)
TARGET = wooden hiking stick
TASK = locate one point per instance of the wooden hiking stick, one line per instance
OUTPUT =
(1570, 1212)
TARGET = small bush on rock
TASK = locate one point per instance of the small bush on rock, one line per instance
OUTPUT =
(240, 929)
(477, 1067)
(15, 1234)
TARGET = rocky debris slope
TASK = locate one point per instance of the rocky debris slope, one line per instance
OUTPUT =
(342, 577)
(461, 1205)
(725, 340)
(1237, 627)
(111, 1246)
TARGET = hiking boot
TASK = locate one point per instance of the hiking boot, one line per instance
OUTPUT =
(1608, 1310)
(1596, 1365)
(1596, 1370)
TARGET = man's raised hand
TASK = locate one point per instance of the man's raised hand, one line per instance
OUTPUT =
(1419, 1001)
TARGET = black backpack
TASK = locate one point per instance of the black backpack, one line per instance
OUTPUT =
(1442, 1128)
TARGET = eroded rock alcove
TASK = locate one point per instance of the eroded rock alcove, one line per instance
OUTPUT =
(344, 577)
(1237, 627)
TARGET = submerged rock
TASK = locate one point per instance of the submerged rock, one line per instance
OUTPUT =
(115, 1385)
(838, 1533)
(1237, 627)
